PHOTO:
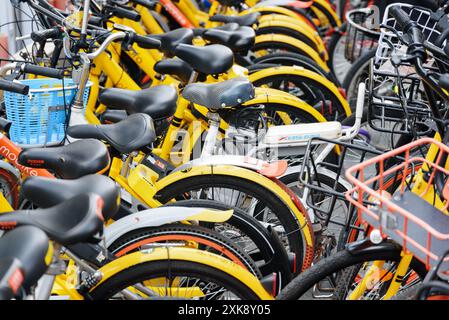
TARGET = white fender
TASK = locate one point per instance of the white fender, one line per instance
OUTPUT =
(273, 3)
(160, 216)
(246, 162)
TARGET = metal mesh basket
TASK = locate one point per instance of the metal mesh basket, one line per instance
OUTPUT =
(397, 100)
(401, 200)
(323, 183)
(361, 34)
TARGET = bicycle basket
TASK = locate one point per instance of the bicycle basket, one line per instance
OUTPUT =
(397, 100)
(323, 182)
(40, 118)
(361, 36)
(400, 201)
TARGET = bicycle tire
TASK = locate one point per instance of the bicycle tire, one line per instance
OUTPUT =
(291, 59)
(267, 256)
(314, 92)
(337, 263)
(265, 197)
(176, 232)
(359, 68)
(177, 268)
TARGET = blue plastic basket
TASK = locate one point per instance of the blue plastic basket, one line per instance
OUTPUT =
(40, 118)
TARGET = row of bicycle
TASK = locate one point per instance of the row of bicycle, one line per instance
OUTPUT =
(208, 161)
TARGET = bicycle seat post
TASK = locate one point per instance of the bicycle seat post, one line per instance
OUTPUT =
(128, 160)
(211, 137)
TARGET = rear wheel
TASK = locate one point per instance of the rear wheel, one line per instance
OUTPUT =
(311, 91)
(336, 276)
(9, 187)
(173, 279)
(253, 198)
(186, 235)
(248, 233)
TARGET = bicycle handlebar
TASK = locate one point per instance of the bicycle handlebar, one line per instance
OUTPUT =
(410, 28)
(121, 12)
(11, 86)
(44, 35)
(145, 3)
(145, 42)
(42, 71)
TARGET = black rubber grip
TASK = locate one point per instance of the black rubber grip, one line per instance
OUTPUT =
(127, 13)
(147, 42)
(444, 81)
(146, 3)
(407, 25)
(95, 21)
(43, 71)
(44, 35)
(401, 17)
(14, 87)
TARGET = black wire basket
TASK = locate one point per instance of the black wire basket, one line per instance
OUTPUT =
(322, 180)
(397, 99)
(362, 34)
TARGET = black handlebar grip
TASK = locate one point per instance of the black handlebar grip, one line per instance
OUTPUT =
(10, 86)
(401, 17)
(43, 71)
(95, 21)
(44, 35)
(444, 81)
(145, 3)
(147, 42)
(408, 26)
(127, 13)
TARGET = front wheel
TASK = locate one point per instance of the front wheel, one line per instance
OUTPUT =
(337, 276)
(173, 279)
(185, 235)
(253, 198)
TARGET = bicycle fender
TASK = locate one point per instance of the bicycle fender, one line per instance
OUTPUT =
(270, 95)
(10, 168)
(272, 9)
(290, 41)
(297, 26)
(300, 71)
(285, 194)
(160, 216)
(184, 254)
(366, 246)
(271, 170)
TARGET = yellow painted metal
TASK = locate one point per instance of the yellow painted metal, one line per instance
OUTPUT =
(290, 41)
(184, 254)
(371, 276)
(300, 71)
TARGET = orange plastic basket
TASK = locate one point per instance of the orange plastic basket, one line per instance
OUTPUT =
(392, 198)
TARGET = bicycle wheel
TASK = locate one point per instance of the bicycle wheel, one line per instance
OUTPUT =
(290, 59)
(253, 237)
(186, 235)
(9, 187)
(331, 212)
(336, 48)
(281, 114)
(178, 279)
(359, 72)
(253, 198)
(335, 276)
(312, 88)
(272, 43)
